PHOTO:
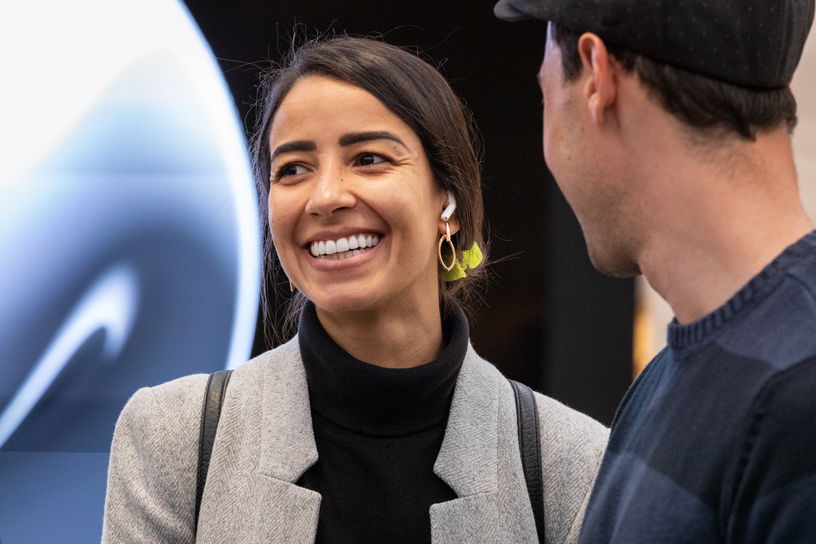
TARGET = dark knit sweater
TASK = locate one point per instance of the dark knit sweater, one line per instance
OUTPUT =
(378, 432)
(716, 440)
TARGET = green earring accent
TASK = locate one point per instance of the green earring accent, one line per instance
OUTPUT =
(471, 258)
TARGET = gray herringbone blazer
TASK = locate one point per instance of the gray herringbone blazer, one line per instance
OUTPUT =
(265, 442)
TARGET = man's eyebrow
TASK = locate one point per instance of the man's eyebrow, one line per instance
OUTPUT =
(357, 137)
(289, 147)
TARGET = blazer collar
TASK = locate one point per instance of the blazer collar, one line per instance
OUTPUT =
(467, 461)
(287, 439)
(269, 507)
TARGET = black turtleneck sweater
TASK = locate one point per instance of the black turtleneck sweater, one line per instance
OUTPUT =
(378, 433)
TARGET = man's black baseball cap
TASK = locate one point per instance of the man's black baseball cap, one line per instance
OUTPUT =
(752, 43)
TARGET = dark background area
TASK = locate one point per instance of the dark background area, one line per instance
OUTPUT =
(548, 318)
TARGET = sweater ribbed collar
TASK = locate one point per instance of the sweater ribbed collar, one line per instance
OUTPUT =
(378, 401)
(686, 338)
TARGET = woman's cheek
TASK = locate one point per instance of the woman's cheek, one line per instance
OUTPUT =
(281, 225)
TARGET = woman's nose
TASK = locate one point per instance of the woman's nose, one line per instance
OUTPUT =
(331, 193)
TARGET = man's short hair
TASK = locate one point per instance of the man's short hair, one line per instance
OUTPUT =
(713, 107)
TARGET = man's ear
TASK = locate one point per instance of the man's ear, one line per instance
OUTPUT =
(601, 87)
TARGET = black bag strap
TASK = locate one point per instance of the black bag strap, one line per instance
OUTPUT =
(530, 447)
(210, 414)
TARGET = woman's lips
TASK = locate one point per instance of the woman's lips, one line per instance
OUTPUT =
(341, 260)
(343, 248)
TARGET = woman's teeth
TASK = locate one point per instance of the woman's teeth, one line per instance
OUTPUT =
(344, 247)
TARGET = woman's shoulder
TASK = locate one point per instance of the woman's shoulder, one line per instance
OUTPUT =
(182, 398)
(152, 473)
(572, 448)
(563, 427)
(279, 362)
(567, 429)
(167, 401)
(151, 476)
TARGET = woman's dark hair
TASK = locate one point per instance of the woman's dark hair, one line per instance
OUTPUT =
(416, 93)
(715, 107)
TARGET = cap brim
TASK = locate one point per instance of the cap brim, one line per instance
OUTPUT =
(506, 11)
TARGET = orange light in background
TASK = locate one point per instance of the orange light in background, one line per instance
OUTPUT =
(652, 315)
(644, 336)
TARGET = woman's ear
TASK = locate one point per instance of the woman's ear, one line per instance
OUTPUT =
(448, 213)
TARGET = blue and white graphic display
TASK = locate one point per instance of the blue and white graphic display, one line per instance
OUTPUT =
(129, 240)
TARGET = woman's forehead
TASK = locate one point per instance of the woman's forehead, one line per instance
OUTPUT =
(319, 107)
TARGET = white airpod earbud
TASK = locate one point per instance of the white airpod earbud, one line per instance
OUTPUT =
(451, 207)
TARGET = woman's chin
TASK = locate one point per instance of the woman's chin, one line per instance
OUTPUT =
(345, 300)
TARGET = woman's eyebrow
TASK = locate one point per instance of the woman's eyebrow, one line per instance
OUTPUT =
(357, 137)
(289, 147)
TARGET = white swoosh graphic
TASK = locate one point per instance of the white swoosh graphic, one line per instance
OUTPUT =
(110, 303)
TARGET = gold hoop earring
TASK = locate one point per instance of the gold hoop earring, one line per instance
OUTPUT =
(446, 238)
(291, 287)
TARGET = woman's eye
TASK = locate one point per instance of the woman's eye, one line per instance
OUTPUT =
(291, 170)
(369, 159)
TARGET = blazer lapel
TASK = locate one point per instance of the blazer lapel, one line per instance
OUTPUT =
(264, 443)
(467, 461)
(287, 450)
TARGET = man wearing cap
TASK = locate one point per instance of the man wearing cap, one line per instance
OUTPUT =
(667, 127)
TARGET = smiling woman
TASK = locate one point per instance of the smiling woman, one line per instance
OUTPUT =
(378, 422)
(409, 108)
(347, 172)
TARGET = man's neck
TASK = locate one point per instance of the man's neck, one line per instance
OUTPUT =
(719, 220)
